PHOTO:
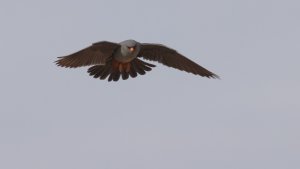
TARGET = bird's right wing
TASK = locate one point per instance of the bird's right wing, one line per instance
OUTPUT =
(171, 58)
(94, 54)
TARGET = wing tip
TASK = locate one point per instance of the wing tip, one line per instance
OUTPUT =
(60, 63)
(214, 76)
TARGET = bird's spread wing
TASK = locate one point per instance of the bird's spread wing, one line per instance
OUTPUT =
(171, 58)
(94, 54)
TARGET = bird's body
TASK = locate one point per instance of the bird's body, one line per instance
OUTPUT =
(114, 60)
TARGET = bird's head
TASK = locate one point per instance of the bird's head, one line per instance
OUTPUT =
(131, 46)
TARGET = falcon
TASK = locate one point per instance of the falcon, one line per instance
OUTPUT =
(114, 60)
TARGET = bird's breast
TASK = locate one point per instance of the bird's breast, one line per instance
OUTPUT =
(124, 57)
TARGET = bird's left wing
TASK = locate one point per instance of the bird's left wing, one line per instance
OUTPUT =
(171, 58)
(94, 54)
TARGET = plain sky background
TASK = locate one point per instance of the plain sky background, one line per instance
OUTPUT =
(56, 118)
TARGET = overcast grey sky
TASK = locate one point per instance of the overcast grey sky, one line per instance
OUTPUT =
(55, 118)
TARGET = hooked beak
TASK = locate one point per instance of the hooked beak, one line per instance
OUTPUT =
(131, 49)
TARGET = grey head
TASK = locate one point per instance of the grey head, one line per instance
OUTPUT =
(129, 43)
(129, 50)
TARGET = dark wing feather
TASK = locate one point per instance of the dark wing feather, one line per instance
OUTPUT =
(94, 54)
(171, 58)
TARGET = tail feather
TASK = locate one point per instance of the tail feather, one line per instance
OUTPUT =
(112, 76)
(96, 70)
(137, 68)
(106, 71)
(114, 70)
(117, 76)
(125, 75)
(132, 73)
(144, 66)
(145, 63)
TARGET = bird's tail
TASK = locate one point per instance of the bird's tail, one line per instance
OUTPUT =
(114, 70)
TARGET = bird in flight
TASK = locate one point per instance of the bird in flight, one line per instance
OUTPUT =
(115, 60)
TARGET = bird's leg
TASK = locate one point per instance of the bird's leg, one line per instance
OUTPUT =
(124, 67)
(127, 67)
(121, 67)
(116, 65)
